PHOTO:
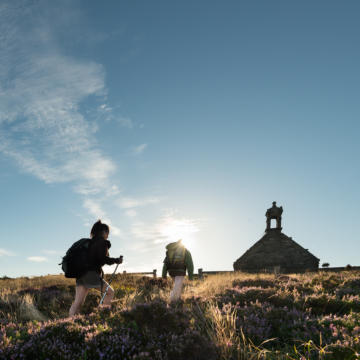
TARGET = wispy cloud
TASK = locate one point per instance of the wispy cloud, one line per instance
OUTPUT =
(95, 209)
(37, 259)
(105, 108)
(42, 126)
(144, 231)
(45, 123)
(130, 202)
(4, 252)
(106, 113)
(137, 150)
(131, 213)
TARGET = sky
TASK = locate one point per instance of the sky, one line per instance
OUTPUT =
(177, 119)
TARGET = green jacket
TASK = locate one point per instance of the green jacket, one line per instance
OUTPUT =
(188, 265)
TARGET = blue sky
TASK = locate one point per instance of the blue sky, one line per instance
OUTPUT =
(177, 119)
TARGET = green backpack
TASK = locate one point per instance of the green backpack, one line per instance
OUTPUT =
(175, 256)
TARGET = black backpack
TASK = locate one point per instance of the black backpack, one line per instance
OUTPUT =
(76, 261)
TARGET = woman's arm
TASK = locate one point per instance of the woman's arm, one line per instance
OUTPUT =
(100, 253)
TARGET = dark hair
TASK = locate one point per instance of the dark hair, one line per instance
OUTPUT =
(99, 228)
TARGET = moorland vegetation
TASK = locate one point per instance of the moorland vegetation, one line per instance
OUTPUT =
(231, 316)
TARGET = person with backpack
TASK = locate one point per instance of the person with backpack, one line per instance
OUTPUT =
(96, 255)
(178, 259)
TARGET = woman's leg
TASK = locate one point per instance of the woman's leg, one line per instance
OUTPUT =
(80, 295)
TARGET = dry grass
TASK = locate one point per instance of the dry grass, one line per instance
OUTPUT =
(36, 282)
(216, 284)
(19, 307)
(128, 291)
(199, 296)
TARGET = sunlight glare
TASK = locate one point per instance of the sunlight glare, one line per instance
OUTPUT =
(175, 229)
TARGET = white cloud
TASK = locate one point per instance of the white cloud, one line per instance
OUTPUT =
(131, 213)
(114, 230)
(37, 258)
(41, 125)
(104, 107)
(95, 209)
(44, 107)
(106, 113)
(45, 99)
(143, 231)
(129, 202)
(137, 150)
(4, 252)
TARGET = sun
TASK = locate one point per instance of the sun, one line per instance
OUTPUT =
(175, 229)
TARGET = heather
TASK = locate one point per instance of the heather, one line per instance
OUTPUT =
(232, 316)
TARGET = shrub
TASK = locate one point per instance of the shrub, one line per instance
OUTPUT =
(263, 283)
(148, 331)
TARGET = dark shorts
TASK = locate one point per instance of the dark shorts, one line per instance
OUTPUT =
(91, 280)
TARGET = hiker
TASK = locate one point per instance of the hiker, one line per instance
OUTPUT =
(178, 259)
(98, 255)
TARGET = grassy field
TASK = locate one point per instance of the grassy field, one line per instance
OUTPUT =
(232, 316)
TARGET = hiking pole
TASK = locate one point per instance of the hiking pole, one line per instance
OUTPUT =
(107, 288)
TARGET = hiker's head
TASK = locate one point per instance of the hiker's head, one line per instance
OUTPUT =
(100, 230)
(179, 243)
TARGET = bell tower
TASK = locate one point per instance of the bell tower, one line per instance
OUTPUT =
(274, 212)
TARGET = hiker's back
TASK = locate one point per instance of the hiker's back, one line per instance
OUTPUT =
(98, 252)
(175, 259)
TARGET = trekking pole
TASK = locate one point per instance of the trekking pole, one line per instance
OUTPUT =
(107, 288)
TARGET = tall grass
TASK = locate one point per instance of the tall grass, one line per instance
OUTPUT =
(21, 283)
(216, 284)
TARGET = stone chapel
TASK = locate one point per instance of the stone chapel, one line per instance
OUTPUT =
(275, 251)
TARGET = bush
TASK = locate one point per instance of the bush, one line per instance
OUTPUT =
(149, 331)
